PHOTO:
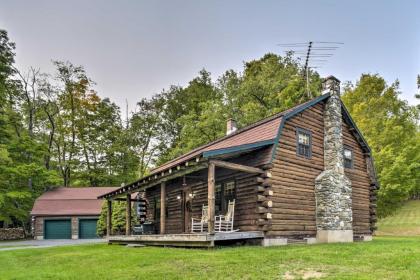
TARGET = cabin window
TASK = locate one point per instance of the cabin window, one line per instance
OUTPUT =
(348, 157)
(156, 213)
(218, 196)
(229, 192)
(224, 192)
(303, 142)
(157, 209)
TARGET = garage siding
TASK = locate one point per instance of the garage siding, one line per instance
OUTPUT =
(39, 225)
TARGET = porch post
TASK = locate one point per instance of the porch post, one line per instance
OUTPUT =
(162, 207)
(109, 218)
(211, 198)
(128, 215)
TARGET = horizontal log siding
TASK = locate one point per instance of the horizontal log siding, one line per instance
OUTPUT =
(360, 184)
(293, 177)
(246, 215)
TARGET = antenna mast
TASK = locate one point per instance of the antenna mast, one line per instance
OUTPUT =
(126, 113)
(314, 53)
(306, 69)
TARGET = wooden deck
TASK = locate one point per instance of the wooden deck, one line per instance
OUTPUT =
(187, 240)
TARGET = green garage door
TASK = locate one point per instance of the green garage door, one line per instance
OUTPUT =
(87, 228)
(57, 229)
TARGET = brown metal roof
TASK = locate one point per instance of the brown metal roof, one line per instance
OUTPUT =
(70, 201)
(258, 132)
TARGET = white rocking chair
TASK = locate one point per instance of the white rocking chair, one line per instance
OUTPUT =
(224, 223)
(199, 225)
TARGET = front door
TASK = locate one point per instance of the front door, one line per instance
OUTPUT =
(186, 209)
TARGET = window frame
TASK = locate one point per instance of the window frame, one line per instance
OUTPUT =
(156, 212)
(221, 200)
(300, 130)
(345, 147)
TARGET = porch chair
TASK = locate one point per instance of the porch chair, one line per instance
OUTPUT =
(198, 225)
(224, 223)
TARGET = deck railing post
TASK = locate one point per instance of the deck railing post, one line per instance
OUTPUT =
(128, 216)
(109, 218)
(211, 197)
(162, 207)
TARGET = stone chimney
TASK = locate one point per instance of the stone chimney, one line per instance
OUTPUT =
(231, 126)
(334, 217)
(331, 83)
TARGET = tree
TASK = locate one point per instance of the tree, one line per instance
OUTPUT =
(118, 219)
(16, 167)
(197, 114)
(417, 95)
(268, 85)
(389, 126)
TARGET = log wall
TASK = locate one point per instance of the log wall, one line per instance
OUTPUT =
(293, 180)
(293, 177)
(360, 183)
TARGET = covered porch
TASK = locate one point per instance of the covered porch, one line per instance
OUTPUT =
(188, 239)
(177, 194)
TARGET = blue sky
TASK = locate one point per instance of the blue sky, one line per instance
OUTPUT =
(133, 49)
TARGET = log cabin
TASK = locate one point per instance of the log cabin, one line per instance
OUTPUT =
(302, 175)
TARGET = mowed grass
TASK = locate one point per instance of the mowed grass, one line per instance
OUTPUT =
(405, 222)
(383, 258)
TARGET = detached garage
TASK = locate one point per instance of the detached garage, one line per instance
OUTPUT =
(68, 213)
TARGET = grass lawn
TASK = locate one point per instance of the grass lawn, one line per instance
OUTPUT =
(384, 258)
(405, 222)
(11, 246)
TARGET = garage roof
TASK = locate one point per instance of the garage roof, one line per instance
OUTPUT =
(70, 201)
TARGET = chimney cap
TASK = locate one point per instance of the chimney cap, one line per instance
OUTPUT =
(331, 77)
(331, 84)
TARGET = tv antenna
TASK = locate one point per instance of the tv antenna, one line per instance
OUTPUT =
(314, 53)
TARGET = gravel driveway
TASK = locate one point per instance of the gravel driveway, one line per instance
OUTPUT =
(26, 244)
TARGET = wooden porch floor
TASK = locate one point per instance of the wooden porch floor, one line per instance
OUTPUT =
(186, 239)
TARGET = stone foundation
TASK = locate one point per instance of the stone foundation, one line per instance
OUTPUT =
(267, 242)
(334, 236)
(367, 238)
(311, 240)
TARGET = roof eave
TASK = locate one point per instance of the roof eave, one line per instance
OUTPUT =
(240, 148)
(293, 113)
